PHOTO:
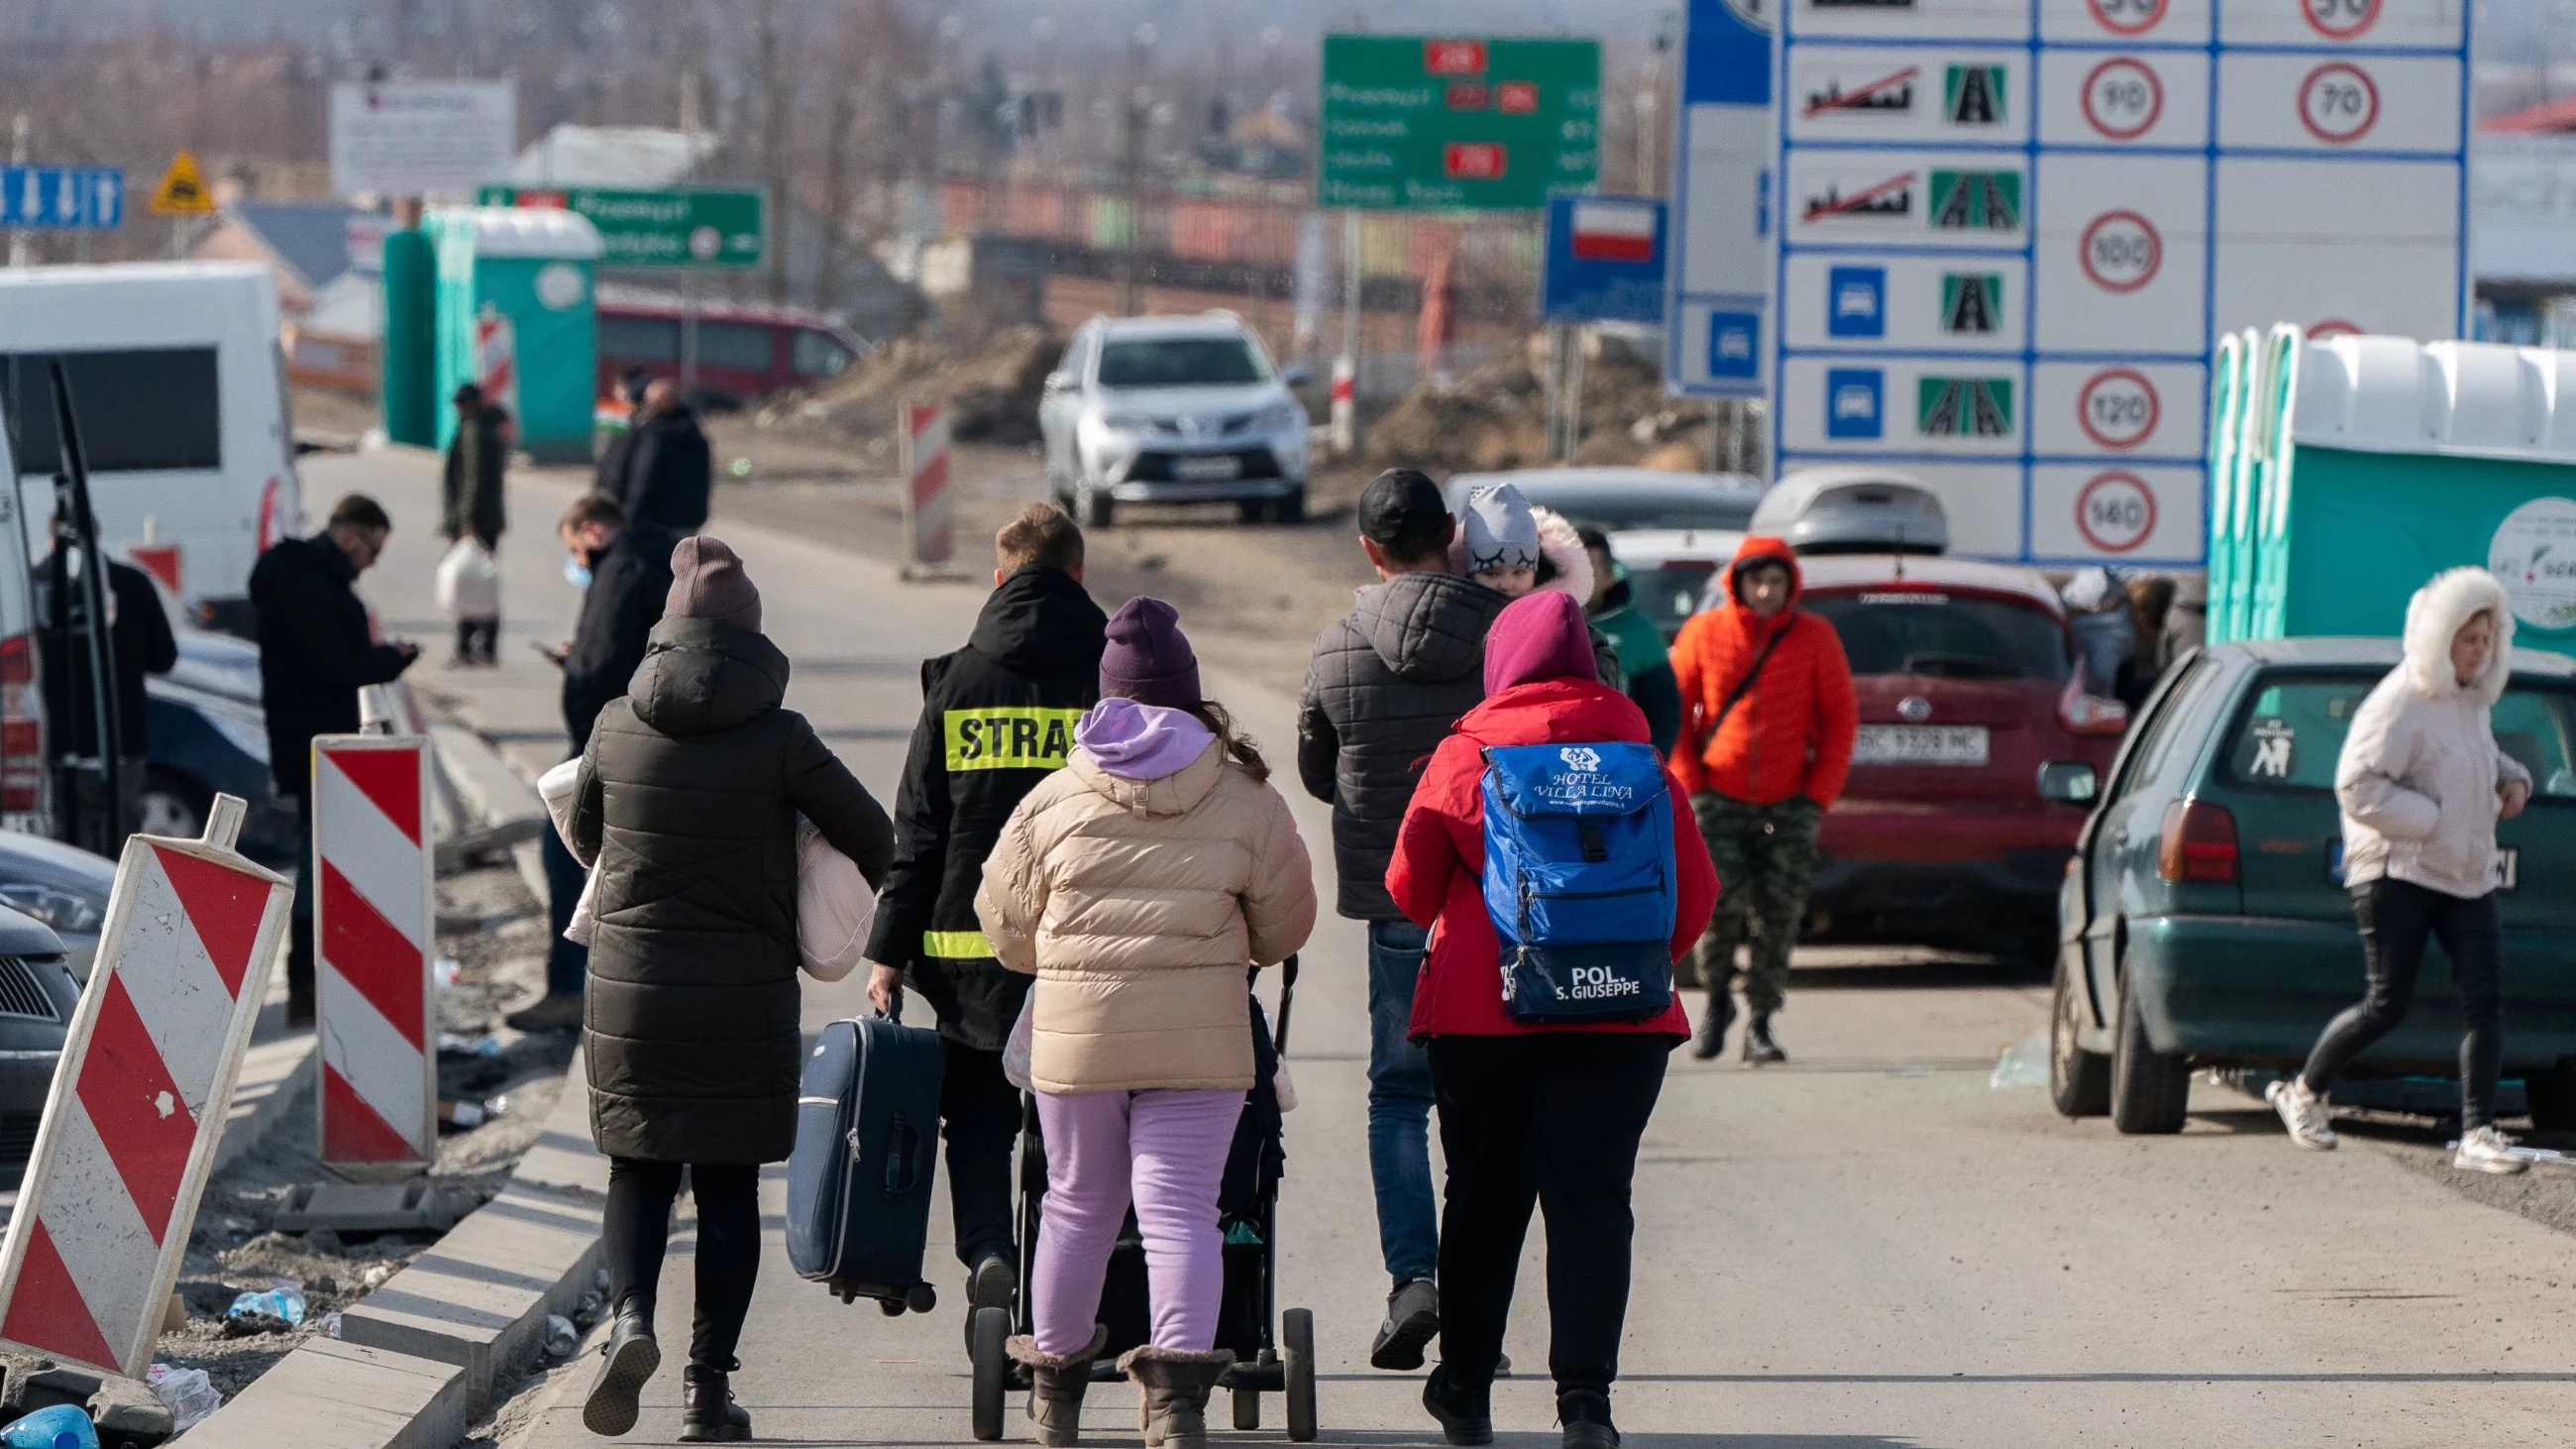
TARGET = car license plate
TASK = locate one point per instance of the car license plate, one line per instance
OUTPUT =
(1920, 745)
(1208, 470)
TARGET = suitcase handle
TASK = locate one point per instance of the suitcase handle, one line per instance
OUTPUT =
(903, 1168)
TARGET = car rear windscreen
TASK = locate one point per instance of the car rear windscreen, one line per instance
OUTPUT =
(2291, 734)
(1612, 510)
(139, 410)
(1670, 594)
(1180, 362)
(1945, 636)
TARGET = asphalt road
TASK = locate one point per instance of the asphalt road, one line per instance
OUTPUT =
(1868, 1247)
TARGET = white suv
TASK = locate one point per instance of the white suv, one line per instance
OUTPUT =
(1173, 410)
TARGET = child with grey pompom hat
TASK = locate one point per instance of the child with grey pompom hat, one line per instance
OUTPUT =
(1502, 539)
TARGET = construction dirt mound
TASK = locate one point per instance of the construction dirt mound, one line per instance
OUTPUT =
(990, 389)
(1495, 418)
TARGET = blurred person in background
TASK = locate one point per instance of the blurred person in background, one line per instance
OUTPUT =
(1645, 666)
(474, 502)
(670, 472)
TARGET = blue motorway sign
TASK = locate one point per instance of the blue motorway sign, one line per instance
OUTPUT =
(62, 198)
(1605, 259)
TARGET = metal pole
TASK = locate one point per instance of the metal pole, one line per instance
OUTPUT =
(71, 486)
(18, 157)
(689, 337)
(1573, 392)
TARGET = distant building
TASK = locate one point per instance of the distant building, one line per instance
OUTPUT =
(2522, 225)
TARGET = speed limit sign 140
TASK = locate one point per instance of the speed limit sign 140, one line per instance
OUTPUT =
(2116, 511)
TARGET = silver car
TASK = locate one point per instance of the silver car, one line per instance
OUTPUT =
(1173, 410)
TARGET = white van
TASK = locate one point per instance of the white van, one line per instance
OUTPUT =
(180, 390)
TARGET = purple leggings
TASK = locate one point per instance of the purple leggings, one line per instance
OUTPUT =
(1169, 1147)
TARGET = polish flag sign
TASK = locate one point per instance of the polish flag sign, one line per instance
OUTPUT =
(1614, 231)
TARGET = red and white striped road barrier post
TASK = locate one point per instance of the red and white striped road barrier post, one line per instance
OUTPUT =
(496, 361)
(130, 1128)
(1345, 417)
(925, 484)
(373, 946)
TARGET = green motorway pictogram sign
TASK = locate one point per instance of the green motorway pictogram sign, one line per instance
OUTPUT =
(1434, 123)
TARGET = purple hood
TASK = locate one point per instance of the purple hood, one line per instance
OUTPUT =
(1141, 741)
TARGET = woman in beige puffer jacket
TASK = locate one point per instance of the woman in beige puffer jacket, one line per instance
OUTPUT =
(1138, 884)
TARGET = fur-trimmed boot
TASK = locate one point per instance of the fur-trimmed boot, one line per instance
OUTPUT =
(1174, 1385)
(1058, 1381)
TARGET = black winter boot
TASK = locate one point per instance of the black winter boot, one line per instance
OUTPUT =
(708, 1414)
(1056, 1384)
(1759, 1049)
(1466, 1416)
(1586, 1417)
(629, 1361)
(1711, 1038)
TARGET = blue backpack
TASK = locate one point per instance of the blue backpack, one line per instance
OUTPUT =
(1579, 881)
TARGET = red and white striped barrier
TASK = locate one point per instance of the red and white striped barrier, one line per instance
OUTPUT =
(110, 1195)
(925, 471)
(1345, 416)
(496, 360)
(373, 944)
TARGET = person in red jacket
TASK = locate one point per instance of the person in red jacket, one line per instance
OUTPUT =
(1768, 719)
(1529, 1114)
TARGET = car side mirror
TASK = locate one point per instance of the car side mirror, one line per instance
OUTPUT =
(1295, 376)
(2068, 782)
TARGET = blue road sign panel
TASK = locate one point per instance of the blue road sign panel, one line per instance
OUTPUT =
(1718, 286)
(62, 198)
(1605, 259)
(1735, 345)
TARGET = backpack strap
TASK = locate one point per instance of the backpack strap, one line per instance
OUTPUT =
(1745, 685)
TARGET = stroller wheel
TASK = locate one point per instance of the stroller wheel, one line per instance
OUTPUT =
(992, 1371)
(1247, 1408)
(1297, 1365)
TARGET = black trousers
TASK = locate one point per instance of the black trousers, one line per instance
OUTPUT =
(567, 962)
(637, 1228)
(1550, 1120)
(2397, 917)
(979, 1113)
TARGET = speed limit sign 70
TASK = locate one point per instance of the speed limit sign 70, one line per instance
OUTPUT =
(2338, 103)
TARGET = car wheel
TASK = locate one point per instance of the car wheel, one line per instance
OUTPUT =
(2079, 1082)
(173, 804)
(1252, 510)
(2552, 1098)
(1093, 507)
(2150, 1090)
(1290, 508)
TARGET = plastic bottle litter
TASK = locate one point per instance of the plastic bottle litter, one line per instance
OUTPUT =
(331, 1324)
(61, 1427)
(2022, 1064)
(282, 1306)
(465, 1115)
(561, 1337)
(187, 1393)
(453, 1043)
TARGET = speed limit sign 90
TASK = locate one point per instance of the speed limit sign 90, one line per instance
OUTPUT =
(2338, 103)
(2123, 98)
(2121, 251)
(2116, 511)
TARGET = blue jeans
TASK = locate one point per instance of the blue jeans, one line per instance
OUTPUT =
(1408, 1224)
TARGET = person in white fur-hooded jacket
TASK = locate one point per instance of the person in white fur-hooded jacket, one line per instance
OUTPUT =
(1515, 548)
(2422, 783)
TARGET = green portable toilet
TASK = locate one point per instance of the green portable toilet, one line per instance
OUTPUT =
(2378, 461)
(515, 309)
(2226, 521)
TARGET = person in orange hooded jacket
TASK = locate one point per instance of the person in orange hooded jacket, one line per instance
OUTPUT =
(1768, 719)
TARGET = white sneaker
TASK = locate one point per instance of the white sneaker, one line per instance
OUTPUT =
(2487, 1150)
(2303, 1112)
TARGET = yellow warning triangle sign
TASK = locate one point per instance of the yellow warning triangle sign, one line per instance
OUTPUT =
(183, 190)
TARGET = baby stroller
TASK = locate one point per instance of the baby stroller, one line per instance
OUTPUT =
(1280, 1362)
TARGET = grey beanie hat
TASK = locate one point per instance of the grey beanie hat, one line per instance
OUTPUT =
(1502, 533)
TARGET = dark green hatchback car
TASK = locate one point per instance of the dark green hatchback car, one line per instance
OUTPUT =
(2204, 922)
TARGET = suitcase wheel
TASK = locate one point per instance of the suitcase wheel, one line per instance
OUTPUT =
(921, 1298)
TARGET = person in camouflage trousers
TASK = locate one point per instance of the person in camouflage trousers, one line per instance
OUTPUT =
(1768, 721)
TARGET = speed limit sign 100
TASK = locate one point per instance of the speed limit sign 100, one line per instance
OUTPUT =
(2121, 251)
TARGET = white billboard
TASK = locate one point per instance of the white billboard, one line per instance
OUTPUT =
(421, 138)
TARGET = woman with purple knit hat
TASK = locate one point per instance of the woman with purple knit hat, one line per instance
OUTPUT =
(1137, 884)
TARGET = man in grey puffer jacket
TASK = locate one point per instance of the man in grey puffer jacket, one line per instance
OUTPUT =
(1384, 689)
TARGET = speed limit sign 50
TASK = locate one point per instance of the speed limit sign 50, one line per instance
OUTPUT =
(2116, 511)
(2118, 408)
(2121, 251)
(2340, 19)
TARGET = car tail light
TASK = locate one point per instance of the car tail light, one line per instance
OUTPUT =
(22, 732)
(2197, 843)
(2090, 714)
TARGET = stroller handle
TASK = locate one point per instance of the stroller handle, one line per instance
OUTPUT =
(1287, 1002)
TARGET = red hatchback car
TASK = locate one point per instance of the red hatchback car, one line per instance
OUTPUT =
(1968, 683)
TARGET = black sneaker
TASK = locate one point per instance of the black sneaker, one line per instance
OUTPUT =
(628, 1361)
(1710, 1042)
(1412, 1321)
(1586, 1417)
(1759, 1049)
(1465, 1418)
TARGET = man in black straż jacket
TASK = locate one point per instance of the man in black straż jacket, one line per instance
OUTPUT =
(630, 576)
(996, 716)
(316, 651)
(670, 470)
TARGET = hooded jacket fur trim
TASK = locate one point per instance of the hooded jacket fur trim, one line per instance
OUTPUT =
(2421, 774)
(1140, 906)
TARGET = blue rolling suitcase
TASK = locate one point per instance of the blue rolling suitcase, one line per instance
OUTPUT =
(858, 1186)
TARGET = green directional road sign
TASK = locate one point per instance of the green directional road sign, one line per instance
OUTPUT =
(654, 228)
(1433, 123)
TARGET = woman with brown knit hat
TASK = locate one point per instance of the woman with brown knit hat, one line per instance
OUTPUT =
(687, 802)
(1137, 884)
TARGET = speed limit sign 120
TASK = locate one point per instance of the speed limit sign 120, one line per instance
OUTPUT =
(2116, 511)
(2118, 408)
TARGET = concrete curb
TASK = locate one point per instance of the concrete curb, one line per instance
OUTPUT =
(416, 1358)
(492, 791)
(275, 1075)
